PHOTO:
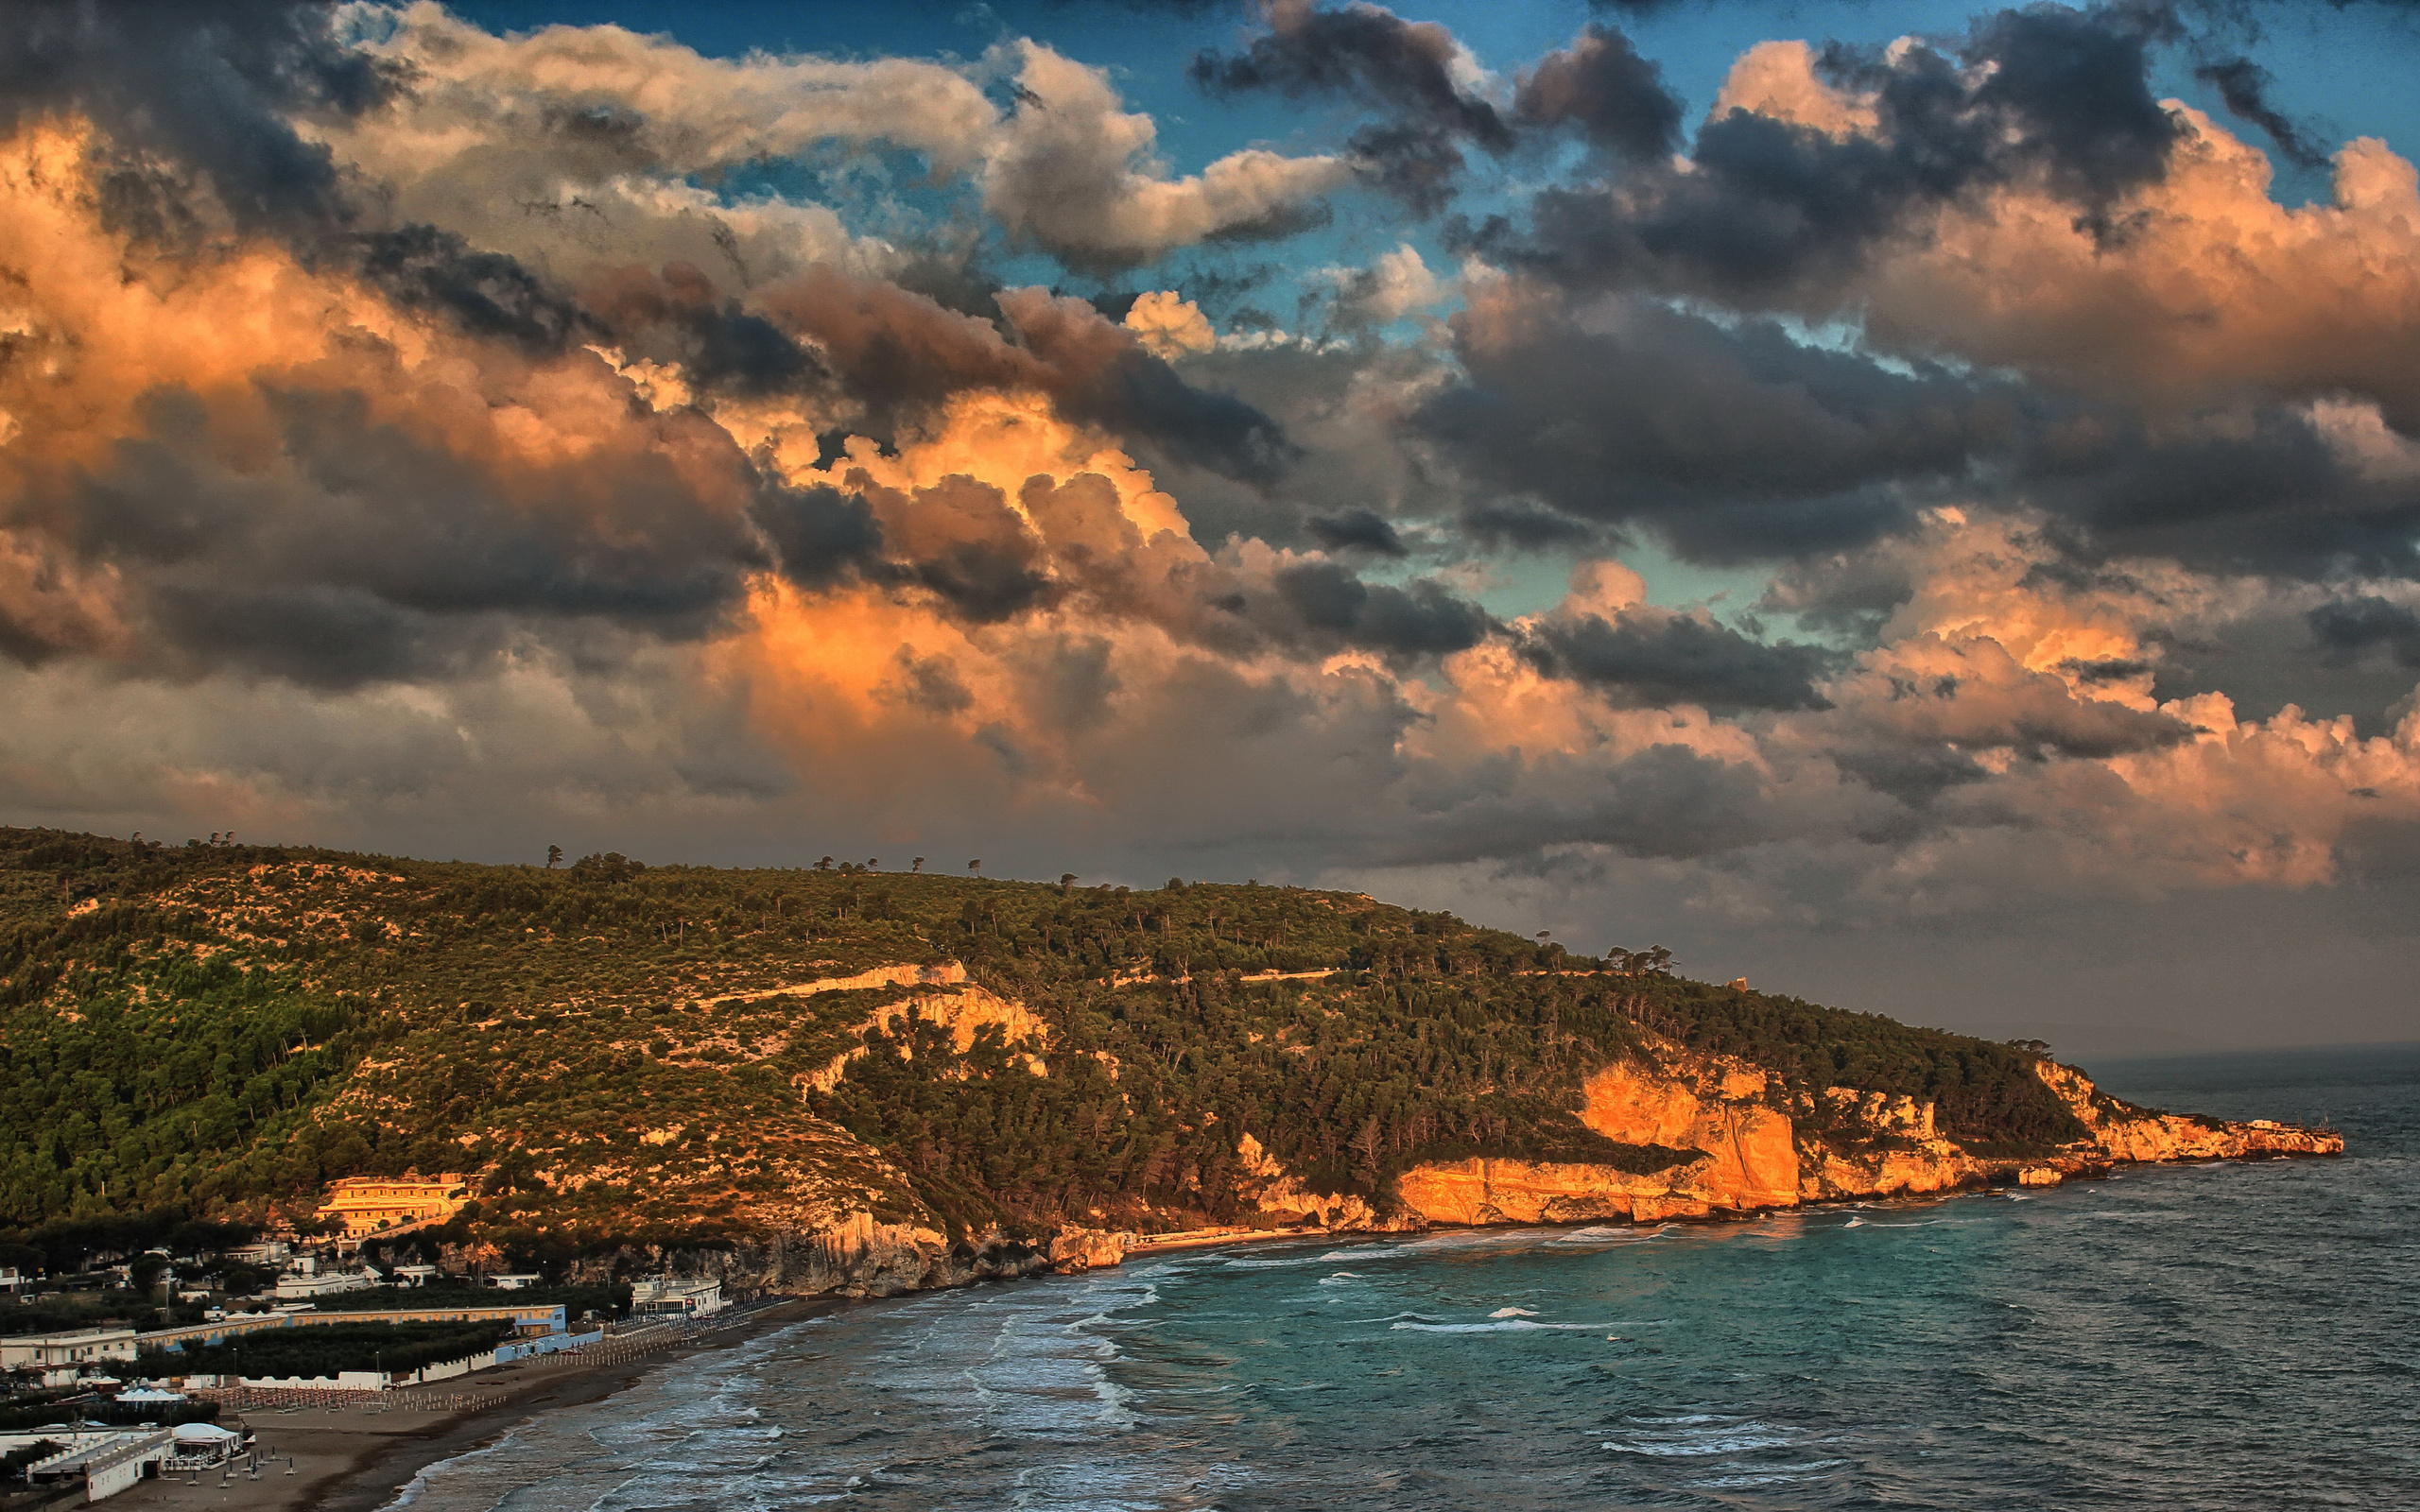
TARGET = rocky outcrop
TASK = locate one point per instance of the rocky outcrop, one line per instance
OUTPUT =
(1480, 1191)
(1741, 1150)
(1081, 1250)
(1745, 1157)
(965, 1013)
(1267, 1187)
(2121, 1131)
(1750, 1155)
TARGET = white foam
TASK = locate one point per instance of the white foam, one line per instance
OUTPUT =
(1514, 1312)
(1510, 1325)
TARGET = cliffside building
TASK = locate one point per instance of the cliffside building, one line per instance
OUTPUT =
(367, 1204)
(668, 1296)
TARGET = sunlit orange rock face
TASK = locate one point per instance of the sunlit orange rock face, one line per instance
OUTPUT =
(1752, 1158)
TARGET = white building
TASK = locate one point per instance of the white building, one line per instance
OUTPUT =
(50, 1351)
(675, 1297)
(294, 1288)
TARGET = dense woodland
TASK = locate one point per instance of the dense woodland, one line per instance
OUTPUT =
(212, 1031)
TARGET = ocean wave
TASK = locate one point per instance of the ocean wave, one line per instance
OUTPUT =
(1514, 1312)
(1700, 1440)
(1510, 1325)
(1605, 1234)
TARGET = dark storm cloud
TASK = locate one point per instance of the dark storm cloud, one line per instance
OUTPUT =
(819, 534)
(1424, 619)
(1604, 88)
(2258, 490)
(2244, 86)
(486, 294)
(1361, 52)
(1358, 530)
(1524, 524)
(1369, 55)
(901, 355)
(678, 316)
(1651, 659)
(1738, 442)
(1764, 205)
(2348, 627)
(1666, 802)
(210, 84)
(363, 551)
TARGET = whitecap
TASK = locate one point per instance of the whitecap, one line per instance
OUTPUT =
(1514, 1312)
(1510, 1325)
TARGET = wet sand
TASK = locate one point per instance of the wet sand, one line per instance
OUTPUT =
(354, 1458)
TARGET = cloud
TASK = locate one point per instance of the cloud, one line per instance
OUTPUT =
(213, 85)
(1414, 73)
(1357, 530)
(1735, 442)
(1604, 88)
(1768, 207)
(2345, 629)
(1397, 285)
(603, 439)
(2244, 86)
(1074, 175)
(1169, 325)
(1650, 660)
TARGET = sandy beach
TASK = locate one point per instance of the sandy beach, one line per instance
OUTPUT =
(354, 1458)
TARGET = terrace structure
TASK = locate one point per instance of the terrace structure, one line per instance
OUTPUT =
(371, 1204)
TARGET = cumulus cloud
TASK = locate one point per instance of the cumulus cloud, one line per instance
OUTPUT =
(1767, 208)
(1429, 90)
(1074, 174)
(451, 446)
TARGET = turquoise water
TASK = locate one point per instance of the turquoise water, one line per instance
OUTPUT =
(2227, 1335)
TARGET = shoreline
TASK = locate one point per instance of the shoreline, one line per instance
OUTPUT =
(359, 1457)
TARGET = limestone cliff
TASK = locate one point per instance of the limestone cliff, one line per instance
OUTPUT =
(1750, 1155)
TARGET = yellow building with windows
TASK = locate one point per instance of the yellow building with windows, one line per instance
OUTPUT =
(366, 1204)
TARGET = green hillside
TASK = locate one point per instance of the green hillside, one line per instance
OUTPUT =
(213, 1031)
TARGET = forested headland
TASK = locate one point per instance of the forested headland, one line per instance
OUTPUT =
(209, 1032)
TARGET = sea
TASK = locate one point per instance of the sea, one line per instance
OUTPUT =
(2221, 1335)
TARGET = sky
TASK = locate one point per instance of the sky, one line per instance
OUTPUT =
(1917, 506)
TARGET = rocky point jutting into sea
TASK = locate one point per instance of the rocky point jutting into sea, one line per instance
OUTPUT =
(833, 1079)
(1748, 1157)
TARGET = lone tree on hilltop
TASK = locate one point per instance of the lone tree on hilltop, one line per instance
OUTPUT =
(1066, 883)
(554, 856)
(917, 865)
(824, 864)
(975, 866)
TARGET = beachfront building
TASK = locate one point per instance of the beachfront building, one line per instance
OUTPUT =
(303, 1285)
(107, 1460)
(663, 1297)
(46, 1351)
(367, 1204)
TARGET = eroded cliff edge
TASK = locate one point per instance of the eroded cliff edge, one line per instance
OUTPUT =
(1749, 1146)
(1754, 1155)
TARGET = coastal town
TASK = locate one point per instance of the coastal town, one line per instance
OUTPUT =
(209, 1361)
